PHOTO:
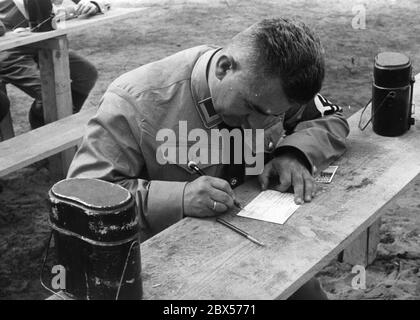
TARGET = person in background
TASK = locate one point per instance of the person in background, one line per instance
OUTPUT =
(19, 66)
(77, 8)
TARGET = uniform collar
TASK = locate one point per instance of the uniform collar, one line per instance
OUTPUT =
(201, 92)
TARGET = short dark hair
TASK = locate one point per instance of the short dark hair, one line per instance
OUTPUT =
(290, 50)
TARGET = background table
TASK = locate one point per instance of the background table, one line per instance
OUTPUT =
(55, 73)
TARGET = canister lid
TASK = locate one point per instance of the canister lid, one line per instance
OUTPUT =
(92, 193)
(391, 59)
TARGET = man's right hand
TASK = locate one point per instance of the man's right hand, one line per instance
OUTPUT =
(207, 196)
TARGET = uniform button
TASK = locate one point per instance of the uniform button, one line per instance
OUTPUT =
(270, 146)
(233, 182)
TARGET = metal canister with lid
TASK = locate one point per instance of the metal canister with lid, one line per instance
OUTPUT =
(96, 234)
(392, 94)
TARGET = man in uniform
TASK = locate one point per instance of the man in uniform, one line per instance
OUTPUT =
(268, 77)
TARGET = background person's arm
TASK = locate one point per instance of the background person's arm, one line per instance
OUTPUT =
(83, 5)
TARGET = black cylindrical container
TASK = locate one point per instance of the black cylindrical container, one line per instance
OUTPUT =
(392, 92)
(96, 236)
(40, 15)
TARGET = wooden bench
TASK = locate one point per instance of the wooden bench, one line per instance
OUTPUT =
(44, 142)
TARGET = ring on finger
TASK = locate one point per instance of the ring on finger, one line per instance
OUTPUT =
(214, 205)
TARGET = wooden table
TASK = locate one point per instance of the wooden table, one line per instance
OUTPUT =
(55, 72)
(201, 259)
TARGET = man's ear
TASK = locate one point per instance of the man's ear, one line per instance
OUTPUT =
(223, 64)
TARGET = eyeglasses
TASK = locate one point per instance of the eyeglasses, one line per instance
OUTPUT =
(261, 111)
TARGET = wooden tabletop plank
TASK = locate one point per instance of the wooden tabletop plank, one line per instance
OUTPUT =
(11, 40)
(201, 259)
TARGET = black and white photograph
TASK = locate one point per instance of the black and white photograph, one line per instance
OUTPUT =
(209, 155)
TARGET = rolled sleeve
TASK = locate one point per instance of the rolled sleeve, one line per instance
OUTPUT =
(321, 141)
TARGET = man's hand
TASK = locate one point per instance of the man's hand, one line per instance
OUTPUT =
(207, 196)
(86, 7)
(291, 172)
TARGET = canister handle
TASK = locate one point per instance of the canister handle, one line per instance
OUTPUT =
(413, 105)
(390, 94)
(125, 268)
(43, 268)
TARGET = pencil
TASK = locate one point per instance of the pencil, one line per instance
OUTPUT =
(241, 232)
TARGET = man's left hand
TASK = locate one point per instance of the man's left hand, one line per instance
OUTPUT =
(86, 7)
(291, 171)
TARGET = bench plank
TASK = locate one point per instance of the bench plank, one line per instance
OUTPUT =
(201, 259)
(43, 142)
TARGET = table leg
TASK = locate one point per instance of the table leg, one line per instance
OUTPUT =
(362, 251)
(56, 93)
(373, 240)
(356, 252)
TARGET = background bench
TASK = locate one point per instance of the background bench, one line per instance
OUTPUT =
(44, 142)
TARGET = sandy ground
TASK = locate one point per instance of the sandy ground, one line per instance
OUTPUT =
(169, 26)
